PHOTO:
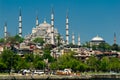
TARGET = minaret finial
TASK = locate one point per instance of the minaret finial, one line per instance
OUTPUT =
(5, 24)
(20, 12)
(36, 15)
(52, 10)
(37, 23)
(97, 35)
(44, 20)
(67, 13)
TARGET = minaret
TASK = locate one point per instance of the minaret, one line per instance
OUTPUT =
(52, 27)
(37, 23)
(5, 31)
(114, 38)
(79, 40)
(73, 39)
(20, 24)
(67, 30)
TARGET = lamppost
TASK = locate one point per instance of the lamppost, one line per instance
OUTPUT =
(11, 60)
(46, 62)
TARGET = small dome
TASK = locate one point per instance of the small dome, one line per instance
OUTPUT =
(97, 38)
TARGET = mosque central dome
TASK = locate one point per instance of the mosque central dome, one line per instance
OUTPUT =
(97, 38)
(44, 25)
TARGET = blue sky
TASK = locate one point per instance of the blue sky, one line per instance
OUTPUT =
(86, 17)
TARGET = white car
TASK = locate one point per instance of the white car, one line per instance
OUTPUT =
(26, 71)
(38, 72)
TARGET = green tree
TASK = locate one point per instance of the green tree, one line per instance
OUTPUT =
(15, 62)
(40, 65)
(3, 67)
(2, 40)
(29, 57)
(58, 40)
(7, 58)
(53, 65)
(22, 64)
(18, 38)
(48, 56)
(86, 44)
(93, 63)
(94, 47)
(104, 65)
(69, 61)
(37, 58)
(39, 40)
(81, 67)
(104, 47)
(76, 65)
(47, 52)
(11, 40)
(114, 64)
(115, 47)
(11, 60)
(15, 39)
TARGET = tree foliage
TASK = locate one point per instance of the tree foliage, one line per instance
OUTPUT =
(47, 52)
(39, 40)
(2, 40)
(68, 61)
(104, 47)
(14, 39)
(7, 58)
(104, 65)
(115, 47)
(10, 60)
(93, 63)
(18, 38)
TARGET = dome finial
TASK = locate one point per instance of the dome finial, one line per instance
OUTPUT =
(97, 35)
(44, 20)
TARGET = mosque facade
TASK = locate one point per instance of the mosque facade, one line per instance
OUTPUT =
(43, 30)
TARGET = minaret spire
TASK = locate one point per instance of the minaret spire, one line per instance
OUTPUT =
(114, 38)
(67, 29)
(37, 23)
(5, 31)
(73, 39)
(79, 40)
(52, 27)
(20, 24)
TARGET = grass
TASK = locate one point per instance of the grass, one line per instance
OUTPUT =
(4, 73)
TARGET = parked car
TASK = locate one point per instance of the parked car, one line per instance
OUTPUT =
(39, 72)
(64, 72)
(25, 71)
